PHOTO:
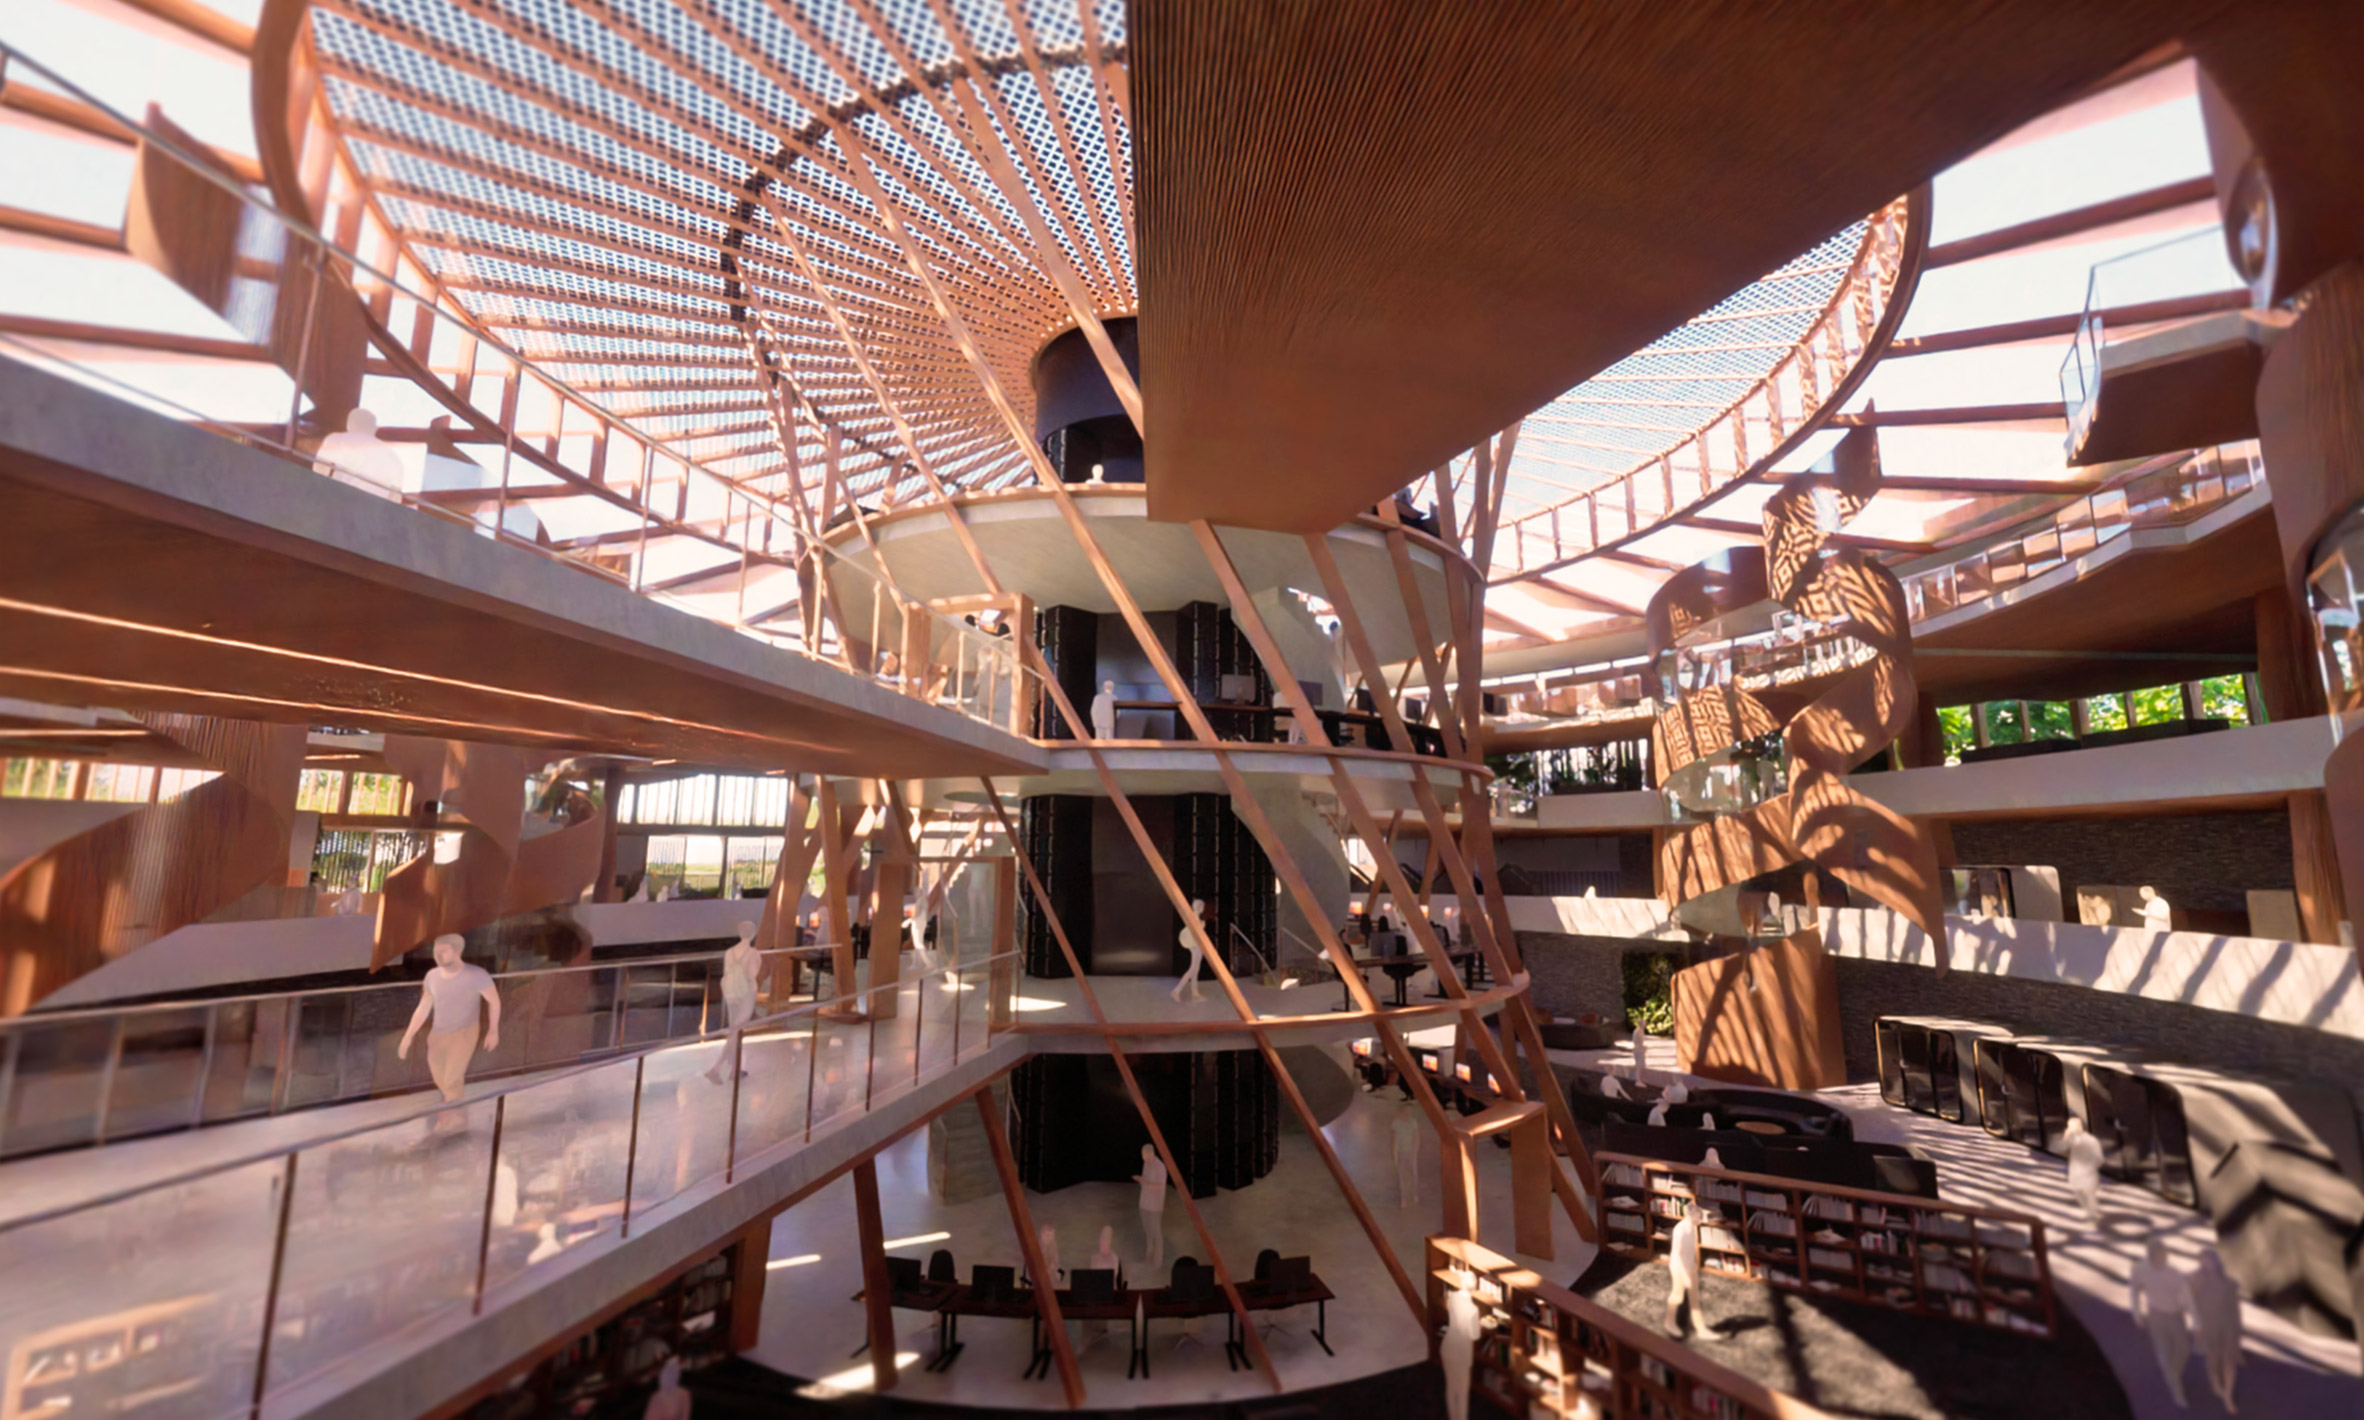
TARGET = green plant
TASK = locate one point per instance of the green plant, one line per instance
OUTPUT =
(1649, 986)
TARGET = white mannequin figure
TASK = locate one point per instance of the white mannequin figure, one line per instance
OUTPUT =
(1658, 1113)
(546, 1245)
(2159, 1299)
(1048, 1238)
(740, 966)
(351, 903)
(504, 1199)
(1683, 1261)
(1407, 1160)
(2157, 916)
(1189, 941)
(2083, 1152)
(1713, 1160)
(1640, 1054)
(1707, 1119)
(1612, 1088)
(1104, 1259)
(361, 456)
(1104, 712)
(1152, 1179)
(2216, 1316)
(452, 994)
(1459, 1350)
(1677, 1093)
(670, 1402)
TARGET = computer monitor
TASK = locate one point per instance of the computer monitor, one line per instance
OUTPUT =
(1086, 1285)
(993, 1283)
(1292, 1274)
(1236, 689)
(905, 1272)
(1313, 692)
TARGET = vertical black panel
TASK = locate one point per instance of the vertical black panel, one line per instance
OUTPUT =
(1057, 829)
(1050, 1098)
(1133, 926)
(1216, 858)
(1208, 646)
(1072, 1120)
(1069, 638)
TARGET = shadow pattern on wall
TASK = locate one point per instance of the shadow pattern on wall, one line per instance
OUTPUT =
(103, 894)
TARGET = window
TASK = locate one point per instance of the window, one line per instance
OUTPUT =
(320, 791)
(172, 783)
(381, 794)
(39, 779)
(120, 783)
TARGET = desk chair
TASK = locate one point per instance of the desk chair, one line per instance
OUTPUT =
(1092, 1287)
(993, 1284)
(903, 1275)
(1189, 1282)
(1268, 1284)
(941, 1268)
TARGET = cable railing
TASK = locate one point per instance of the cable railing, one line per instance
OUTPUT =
(465, 428)
(201, 1295)
(103, 1074)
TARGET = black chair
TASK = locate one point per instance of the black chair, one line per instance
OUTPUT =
(993, 1284)
(941, 1268)
(1092, 1286)
(1189, 1282)
(1292, 1274)
(903, 1273)
(1264, 1261)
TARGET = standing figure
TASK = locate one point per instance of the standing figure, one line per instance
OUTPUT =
(2159, 1300)
(1407, 1160)
(2083, 1152)
(1104, 712)
(740, 967)
(1048, 1240)
(1458, 1350)
(1152, 1179)
(1104, 1259)
(361, 456)
(1198, 956)
(454, 994)
(670, 1402)
(2157, 916)
(2216, 1316)
(1640, 1054)
(1683, 1262)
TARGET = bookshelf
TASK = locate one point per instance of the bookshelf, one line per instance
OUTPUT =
(1543, 1351)
(1982, 1266)
(603, 1369)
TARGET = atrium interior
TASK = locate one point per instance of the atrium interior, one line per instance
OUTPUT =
(833, 708)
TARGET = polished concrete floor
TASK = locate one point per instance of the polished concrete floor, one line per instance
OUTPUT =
(811, 1327)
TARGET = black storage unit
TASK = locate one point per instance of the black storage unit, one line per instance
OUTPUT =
(1221, 668)
(1218, 861)
(1072, 1120)
(1057, 829)
(1069, 639)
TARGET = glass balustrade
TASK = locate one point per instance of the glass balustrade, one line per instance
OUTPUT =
(205, 1293)
(2181, 266)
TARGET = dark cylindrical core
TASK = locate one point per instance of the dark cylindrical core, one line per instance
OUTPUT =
(1077, 417)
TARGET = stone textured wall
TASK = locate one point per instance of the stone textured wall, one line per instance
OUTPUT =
(2204, 861)
(1571, 975)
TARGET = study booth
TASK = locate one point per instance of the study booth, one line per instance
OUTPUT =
(1930, 1064)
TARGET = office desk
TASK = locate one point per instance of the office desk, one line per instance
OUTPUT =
(1401, 970)
(1258, 1297)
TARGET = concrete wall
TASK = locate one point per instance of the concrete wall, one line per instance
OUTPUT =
(2207, 862)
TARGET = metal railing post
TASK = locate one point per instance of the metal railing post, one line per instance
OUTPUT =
(107, 1073)
(632, 1144)
(492, 1183)
(262, 1354)
(730, 1147)
(812, 1063)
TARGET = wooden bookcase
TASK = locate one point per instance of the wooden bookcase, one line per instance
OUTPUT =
(1544, 1351)
(601, 1371)
(1983, 1266)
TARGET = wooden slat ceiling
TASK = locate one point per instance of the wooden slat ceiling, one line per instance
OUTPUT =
(1371, 233)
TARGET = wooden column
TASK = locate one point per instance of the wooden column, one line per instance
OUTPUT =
(747, 1279)
(603, 886)
(877, 1298)
(2315, 867)
(1046, 1295)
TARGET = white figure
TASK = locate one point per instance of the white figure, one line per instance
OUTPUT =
(1407, 1160)
(2159, 1300)
(1104, 1259)
(2157, 916)
(1048, 1239)
(504, 1199)
(452, 994)
(2083, 1152)
(1683, 1261)
(1713, 1160)
(1612, 1088)
(1189, 941)
(1707, 1119)
(1104, 712)
(1640, 1054)
(740, 967)
(1152, 1179)
(1459, 1350)
(670, 1402)
(546, 1245)
(1658, 1113)
(1677, 1093)
(351, 903)
(2216, 1316)
(362, 456)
